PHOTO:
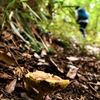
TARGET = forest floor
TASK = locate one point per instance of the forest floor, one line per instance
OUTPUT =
(68, 62)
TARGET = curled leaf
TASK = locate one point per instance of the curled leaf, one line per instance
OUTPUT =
(10, 87)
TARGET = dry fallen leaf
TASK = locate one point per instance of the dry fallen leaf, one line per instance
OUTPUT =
(19, 72)
(81, 77)
(5, 76)
(93, 50)
(43, 63)
(10, 87)
(47, 97)
(9, 60)
(24, 95)
(73, 58)
(36, 55)
(9, 54)
(27, 55)
(43, 52)
(72, 73)
(1, 95)
(98, 83)
(7, 36)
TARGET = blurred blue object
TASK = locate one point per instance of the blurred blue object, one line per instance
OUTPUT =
(82, 17)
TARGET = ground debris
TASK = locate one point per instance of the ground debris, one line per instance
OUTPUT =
(82, 69)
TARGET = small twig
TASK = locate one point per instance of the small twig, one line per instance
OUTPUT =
(93, 83)
(92, 94)
(2, 46)
(14, 42)
(14, 58)
(53, 62)
(98, 96)
(91, 87)
(57, 67)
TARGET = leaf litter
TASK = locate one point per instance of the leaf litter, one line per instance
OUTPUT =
(81, 68)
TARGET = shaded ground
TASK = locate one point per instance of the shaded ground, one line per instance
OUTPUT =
(84, 86)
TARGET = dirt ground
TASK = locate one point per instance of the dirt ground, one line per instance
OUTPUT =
(84, 82)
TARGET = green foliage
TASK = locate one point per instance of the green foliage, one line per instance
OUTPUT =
(11, 4)
(18, 14)
(56, 16)
(63, 20)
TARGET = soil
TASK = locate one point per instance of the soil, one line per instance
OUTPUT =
(85, 85)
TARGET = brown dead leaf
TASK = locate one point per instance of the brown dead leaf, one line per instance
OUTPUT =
(1, 44)
(19, 72)
(7, 59)
(1, 95)
(10, 87)
(72, 73)
(6, 36)
(83, 98)
(76, 83)
(5, 76)
(81, 77)
(9, 54)
(24, 95)
(27, 55)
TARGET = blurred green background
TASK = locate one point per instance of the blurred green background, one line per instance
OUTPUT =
(58, 17)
